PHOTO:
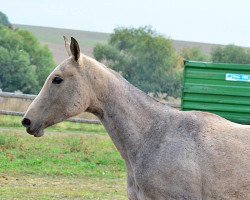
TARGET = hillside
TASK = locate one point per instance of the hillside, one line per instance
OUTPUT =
(87, 39)
(53, 37)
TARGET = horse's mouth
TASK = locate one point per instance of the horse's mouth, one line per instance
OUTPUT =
(38, 132)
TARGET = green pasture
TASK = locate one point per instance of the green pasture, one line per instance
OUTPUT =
(71, 161)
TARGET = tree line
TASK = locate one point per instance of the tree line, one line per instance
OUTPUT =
(149, 61)
(24, 62)
(144, 57)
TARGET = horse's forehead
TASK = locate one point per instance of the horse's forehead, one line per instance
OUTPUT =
(65, 66)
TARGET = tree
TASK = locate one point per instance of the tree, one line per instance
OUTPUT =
(194, 54)
(40, 56)
(231, 54)
(144, 57)
(24, 63)
(4, 21)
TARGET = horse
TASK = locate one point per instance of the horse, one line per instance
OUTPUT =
(169, 154)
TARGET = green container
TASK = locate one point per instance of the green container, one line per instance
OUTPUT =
(223, 89)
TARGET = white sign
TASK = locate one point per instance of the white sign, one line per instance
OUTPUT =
(238, 77)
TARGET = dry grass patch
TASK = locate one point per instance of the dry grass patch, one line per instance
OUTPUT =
(47, 187)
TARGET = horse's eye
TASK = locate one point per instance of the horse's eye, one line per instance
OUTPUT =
(57, 80)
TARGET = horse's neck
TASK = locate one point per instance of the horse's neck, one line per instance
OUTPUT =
(127, 113)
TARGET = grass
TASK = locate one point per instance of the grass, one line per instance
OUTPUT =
(80, 163)
(34, 187)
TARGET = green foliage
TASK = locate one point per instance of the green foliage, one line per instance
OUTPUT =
(230, 54)
(24, 63)
(194, 54)
(145, 58)
(40, 56)
(4, 21)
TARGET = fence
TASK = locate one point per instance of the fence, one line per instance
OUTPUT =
(31, 97)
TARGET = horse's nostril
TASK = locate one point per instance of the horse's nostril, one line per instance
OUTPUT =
(26, 122)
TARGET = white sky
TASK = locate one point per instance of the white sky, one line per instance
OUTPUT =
(211, 21)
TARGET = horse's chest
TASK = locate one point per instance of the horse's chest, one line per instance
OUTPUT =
(167, 170)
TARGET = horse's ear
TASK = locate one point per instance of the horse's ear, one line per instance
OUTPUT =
(67, 45)
(75, 49)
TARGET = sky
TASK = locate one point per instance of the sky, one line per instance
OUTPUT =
(209, 21)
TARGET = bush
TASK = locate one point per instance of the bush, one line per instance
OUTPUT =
(4, 21)
(231, 54)
(194, 54)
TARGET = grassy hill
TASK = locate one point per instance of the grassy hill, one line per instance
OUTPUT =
(87, 39)
(53, 37)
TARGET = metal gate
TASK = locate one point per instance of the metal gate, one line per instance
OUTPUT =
(223, 89)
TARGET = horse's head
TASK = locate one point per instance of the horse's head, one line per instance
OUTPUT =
(66, 93)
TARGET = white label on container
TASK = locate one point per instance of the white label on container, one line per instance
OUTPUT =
(238, 77)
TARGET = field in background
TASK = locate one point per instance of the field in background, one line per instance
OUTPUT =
(88, 39)
(53, 37)
(72, 161)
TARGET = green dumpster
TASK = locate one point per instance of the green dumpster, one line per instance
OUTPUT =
(223, 89)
